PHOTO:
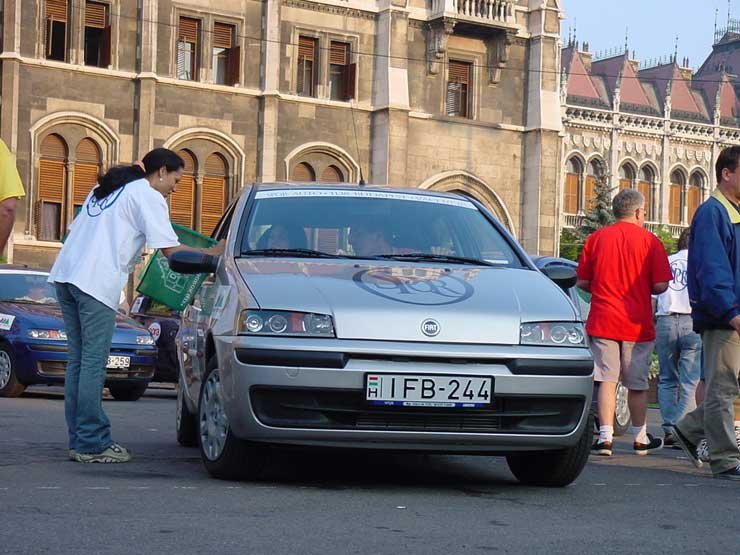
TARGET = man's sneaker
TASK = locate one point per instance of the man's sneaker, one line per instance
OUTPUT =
(732, 474)
(603, 448)
(72, 455)
(653, 444)
(702, 451)
(669, 440)
(737, 436)
(114, 454)
(689, 449)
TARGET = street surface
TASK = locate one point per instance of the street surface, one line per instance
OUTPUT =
(335, 502)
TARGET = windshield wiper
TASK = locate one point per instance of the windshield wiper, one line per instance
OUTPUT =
(429, 257)
(304, 253)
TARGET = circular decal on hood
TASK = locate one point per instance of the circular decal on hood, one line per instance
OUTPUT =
(439, 289)
(430, 327)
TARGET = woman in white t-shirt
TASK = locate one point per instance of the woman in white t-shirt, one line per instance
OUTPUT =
(125, 212)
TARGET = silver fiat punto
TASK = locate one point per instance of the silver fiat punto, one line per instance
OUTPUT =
(380, 318)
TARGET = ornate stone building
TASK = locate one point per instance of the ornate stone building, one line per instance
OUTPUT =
(657, 129)
(439, 94)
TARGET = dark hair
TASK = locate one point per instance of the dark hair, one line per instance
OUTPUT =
(118, 176)
(727, 159)
(683, 239)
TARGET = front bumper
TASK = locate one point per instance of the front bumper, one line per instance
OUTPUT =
(285, 402)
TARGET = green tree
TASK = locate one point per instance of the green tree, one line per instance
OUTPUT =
(599, 212)
(570, 244)
(669, 242)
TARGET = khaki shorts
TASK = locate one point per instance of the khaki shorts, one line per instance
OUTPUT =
(625, 360)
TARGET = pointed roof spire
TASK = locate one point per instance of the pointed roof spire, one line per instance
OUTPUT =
(626, 39)
(675, 51)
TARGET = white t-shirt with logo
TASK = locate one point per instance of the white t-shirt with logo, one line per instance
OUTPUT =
(676, 297)
(107, 238)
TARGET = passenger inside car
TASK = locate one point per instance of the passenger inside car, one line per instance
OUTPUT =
(280, 236)
(368, 239)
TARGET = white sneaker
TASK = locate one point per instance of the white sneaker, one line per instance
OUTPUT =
(115, 453)
(702, 451)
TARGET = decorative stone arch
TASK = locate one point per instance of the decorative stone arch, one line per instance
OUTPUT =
(681, 169)
(321, 156)
(202, 142)
(600, 162)
(703, 173)
(73, 128)
(627, 163)
(468, 184)
(653, 165)
(578, 155)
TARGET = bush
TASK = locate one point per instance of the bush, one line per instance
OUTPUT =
(570, 245)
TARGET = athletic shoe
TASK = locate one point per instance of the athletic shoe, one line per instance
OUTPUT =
(702, 451)
(689, 448)
(114, 454)
(72, 455)
(737, 436)
(653, 444)
(603, 448)
(669, 440)
(732, 474)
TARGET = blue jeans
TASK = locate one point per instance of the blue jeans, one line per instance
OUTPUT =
(679, 354)
(89, 325)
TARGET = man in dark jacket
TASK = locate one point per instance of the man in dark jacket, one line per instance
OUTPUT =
(714, 293)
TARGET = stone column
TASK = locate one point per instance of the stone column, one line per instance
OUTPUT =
(268, 132)
(146, 86)
(390, 120)
(543, 126)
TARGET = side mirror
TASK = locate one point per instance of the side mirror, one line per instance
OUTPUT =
(192, 262)
(563, 276)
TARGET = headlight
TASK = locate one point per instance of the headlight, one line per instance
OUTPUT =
(561, 334)
(49, 335)
(280, 322)
(144, 340)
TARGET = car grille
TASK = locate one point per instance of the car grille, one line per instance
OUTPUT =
(347, 410)
(55, 369)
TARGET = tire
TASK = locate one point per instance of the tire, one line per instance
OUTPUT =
(225, 456)
(552, 468)
(127, 392)
(9, 384)
(186, 423)
(622, 417)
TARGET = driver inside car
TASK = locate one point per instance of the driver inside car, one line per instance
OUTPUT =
(368, 239)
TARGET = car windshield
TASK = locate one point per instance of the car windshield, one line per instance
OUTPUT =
(26, 288)
(328, 223)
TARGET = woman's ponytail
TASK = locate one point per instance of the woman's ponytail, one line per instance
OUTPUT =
(115, 178)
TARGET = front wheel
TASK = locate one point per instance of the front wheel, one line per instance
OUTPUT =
(552, 468)
(9, 384)
(127, 392)
(224, 455)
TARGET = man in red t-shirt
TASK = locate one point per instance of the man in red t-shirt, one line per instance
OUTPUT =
(622, 265)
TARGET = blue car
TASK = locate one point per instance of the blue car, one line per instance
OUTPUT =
(33, 343)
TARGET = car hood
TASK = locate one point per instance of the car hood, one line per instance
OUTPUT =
(395, 301)
(49, 316)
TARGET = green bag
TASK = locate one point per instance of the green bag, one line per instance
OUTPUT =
(170, 288)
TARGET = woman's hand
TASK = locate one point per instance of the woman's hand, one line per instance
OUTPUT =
(218, 249)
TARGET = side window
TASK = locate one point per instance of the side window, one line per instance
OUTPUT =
(222, 228)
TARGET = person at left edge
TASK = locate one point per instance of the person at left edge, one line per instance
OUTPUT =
(125, 211)
(11, 189)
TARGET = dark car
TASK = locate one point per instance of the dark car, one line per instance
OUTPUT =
(33, 343)
(163, 324)
(582, 300)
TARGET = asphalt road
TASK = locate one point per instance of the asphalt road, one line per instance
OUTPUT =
(335, 502)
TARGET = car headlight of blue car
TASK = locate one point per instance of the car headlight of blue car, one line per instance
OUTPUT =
(561, 334)
(47, 335)
(145, 340)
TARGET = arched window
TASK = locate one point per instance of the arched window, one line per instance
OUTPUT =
(332, 174)
(595, 171)
(50, 212)
(303, 172)
(694, 194)
(182, 201)
(675, 200)
(86, 171)
(626, 176)
(573, 178)
(213, 193)
(645, 186)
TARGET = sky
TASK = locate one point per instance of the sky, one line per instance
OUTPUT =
(653, 25)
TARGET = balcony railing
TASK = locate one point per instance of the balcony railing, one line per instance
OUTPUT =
(572, 221)
(496, 12)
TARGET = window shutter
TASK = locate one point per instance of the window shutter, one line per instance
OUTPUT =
(350, 73)
(56, 10)
(306, 58)
(453, 98)
(338, 53)
(85, 178)
(213, 202)
(181, 201)
(51, 180)
(223, 35)
(304, 172)
(459, 72)
(331, 174)
(571, 193)
(95, 15)
(694, 201)
(306, 48)
(674, 211)
(590, 190)
(188, 30)
(625, 184)
(233, 65)
(645, 188)
(105, 48)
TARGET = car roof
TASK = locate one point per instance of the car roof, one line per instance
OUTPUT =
(281, 186)
(21, 269)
